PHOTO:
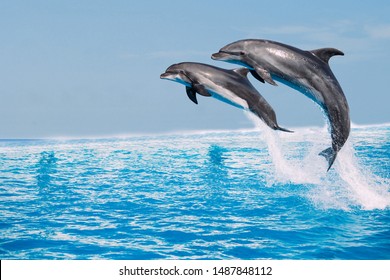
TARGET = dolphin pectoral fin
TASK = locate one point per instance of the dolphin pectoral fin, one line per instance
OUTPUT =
(256, 76)
(330, 156)
(326, 53)
(265, 75)
(201, 89)
(185, 77)
(191, 94)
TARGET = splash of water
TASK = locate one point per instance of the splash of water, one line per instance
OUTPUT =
(365, 188)
(291, 167)
(349, 184)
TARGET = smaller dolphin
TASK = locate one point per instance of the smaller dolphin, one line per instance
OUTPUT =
(305, 71)
(230, 86)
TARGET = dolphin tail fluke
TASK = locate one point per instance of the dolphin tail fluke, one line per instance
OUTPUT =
(330, 156)
(283, 129)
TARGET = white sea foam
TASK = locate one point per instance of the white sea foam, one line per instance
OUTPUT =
(288, 168)
(368, 190)
(348, 184)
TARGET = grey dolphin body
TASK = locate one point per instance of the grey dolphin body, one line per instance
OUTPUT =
(306, 71)
(230, 86)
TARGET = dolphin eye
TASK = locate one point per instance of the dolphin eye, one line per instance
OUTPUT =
(242, 53)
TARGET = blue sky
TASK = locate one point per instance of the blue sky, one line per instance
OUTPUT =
(91, 68)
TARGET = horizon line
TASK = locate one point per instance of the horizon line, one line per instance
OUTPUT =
(174, 132)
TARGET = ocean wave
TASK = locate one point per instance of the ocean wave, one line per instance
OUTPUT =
(247, 194)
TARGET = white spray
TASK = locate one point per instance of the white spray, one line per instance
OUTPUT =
(348, 184)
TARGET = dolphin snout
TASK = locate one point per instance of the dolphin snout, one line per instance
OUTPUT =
(218, 55)
(164, 75)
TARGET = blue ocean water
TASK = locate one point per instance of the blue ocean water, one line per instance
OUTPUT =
(249, 194)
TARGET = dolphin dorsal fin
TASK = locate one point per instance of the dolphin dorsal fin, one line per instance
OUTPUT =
(326, 53)
(242, 71)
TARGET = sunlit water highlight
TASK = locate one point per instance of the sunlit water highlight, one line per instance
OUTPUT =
(250, 194)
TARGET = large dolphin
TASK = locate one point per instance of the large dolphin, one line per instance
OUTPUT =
(306, 71)
(230, 86)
